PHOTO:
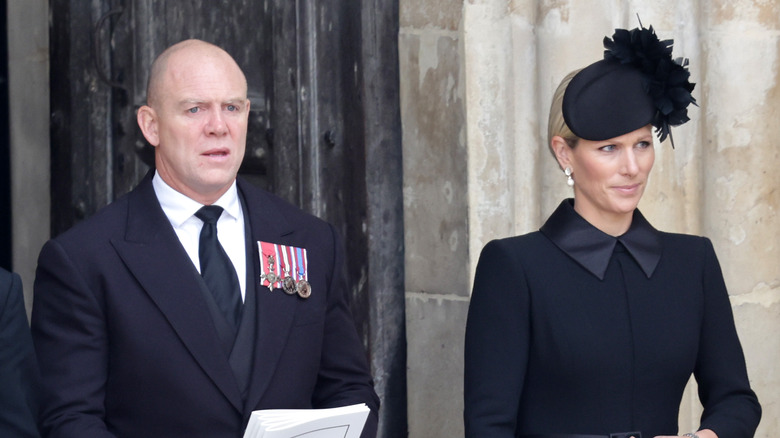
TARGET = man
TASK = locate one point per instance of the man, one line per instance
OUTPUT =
(18, 404)
(135, 337)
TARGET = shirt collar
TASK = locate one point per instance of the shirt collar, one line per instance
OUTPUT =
(592, 248)
(179, 208)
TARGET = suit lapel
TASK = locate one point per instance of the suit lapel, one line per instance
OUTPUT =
(153, 253)
(275, 309)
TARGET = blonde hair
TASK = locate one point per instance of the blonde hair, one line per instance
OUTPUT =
(556, 125)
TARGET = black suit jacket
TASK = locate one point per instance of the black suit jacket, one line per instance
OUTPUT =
(18, 371)
(128, 348)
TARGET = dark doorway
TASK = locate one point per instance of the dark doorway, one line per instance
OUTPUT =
(5, 147)
(324, 129)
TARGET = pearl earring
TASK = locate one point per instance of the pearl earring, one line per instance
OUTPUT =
(569, 179)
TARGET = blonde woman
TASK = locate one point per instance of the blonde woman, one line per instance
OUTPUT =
(592, 326)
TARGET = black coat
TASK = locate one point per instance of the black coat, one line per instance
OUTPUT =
(573, 331)
(18, 370)
(128, 347)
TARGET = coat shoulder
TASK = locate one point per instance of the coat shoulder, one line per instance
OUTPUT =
(685, 246)
(267, 200)
(522, 246)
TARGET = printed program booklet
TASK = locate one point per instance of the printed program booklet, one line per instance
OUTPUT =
(343, 422)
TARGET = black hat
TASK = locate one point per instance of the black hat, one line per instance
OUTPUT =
(636, 84)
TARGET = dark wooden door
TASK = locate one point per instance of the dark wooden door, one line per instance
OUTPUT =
(324, 128)
(5, 150)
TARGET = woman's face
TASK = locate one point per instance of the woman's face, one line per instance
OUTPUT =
(609, 177)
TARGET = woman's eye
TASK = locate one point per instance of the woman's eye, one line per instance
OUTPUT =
(608, 148)
(643, 144)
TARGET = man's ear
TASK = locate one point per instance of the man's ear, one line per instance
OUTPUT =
(561, 150)
(147, 121)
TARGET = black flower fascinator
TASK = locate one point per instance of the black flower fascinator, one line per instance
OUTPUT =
(637, 83)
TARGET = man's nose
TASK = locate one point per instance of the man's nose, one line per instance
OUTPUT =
(216, 123)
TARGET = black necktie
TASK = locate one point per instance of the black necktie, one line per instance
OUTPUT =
(215, 266)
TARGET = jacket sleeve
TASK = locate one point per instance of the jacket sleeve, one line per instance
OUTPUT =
(344, 376)
(70, 340)
(496, 345)
(731, 408)
(18, 370)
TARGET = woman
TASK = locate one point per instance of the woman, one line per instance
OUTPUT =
(592, 326)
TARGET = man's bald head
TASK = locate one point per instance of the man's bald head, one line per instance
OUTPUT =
(196, 119)
(188, 48)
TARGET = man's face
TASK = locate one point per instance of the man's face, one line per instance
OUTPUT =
(199, 123)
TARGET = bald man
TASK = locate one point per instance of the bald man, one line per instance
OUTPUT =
(196, 298)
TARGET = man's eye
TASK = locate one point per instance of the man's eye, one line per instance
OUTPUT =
(193, 110)
(232, 108)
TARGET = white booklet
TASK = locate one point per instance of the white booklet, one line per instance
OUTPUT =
(343, 422)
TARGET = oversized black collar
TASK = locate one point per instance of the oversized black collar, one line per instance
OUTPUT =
(592, 248)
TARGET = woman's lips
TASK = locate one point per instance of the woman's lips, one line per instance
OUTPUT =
(628, 189)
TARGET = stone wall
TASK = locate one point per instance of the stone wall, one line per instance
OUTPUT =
(435, 212)
(476, 81)
(28, 76)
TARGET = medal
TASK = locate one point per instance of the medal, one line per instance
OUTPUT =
(288, 283)
(304, 289)
(284, 267)
(302, 285)
(271, 277)
(289, 286)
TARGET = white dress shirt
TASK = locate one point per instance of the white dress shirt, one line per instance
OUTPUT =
(181, 210)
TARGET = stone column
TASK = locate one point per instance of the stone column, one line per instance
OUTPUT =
(435, 213)
(28, 78)
(741, 182)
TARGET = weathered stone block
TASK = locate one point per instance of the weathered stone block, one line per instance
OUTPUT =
(435, 207)
(436, 328)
